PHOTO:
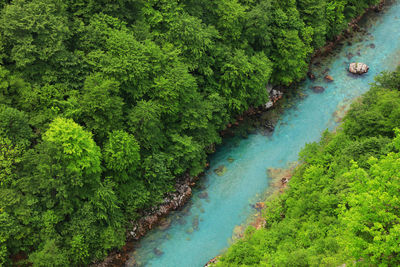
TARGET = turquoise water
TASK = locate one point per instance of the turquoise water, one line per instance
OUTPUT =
(204, 227)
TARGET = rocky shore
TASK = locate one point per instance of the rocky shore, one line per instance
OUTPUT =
(352, 26)
(172, 201)
(151, 219)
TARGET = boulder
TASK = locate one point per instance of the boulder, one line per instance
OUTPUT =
(329, 78)
(269, 104)
(276, 94)
(358, 68)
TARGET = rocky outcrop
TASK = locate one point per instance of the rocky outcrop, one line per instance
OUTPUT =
(358, 68)
(274, 95)
(269, 104)
(171, 202)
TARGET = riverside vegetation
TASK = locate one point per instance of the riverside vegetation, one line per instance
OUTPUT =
(342, 204)
(104, 103)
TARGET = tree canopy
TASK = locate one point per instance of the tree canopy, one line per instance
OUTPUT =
(104, 103)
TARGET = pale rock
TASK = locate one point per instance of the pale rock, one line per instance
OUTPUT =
(358, 68)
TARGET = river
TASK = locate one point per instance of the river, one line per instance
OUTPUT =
(204, 227)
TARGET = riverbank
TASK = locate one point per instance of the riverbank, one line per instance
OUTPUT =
(328, 216)
(278, 183)
(151, 220)
(348, 33)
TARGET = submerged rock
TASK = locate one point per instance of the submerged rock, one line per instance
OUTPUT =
(269, 126)
(221, 170)
(311, 76)
(157, 252)
(182, 221)
(195, 223)
(164, 224)
(326, 71)
(358, 68)
(349, 55)
(203, 195)
(318, 89)
(329, 78)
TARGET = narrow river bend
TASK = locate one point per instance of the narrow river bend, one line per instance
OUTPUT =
(204, 227)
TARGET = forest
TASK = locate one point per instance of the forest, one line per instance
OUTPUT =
(104, 104)
(342, 204)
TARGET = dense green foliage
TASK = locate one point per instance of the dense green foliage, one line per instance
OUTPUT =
(104, 103)
(342, 205)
